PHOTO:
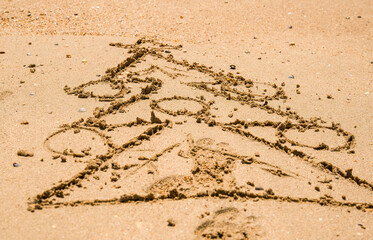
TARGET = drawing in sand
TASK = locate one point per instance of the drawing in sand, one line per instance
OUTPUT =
(131, 151)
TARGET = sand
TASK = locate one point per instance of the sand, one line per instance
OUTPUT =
(186, 120)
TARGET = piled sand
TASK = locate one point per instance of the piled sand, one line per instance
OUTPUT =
(228, 120)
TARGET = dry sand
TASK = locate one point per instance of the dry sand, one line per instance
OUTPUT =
(186, 120)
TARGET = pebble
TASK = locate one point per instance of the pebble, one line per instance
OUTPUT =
(367, 93)
(84, 60)
(28, 54)
(16, 165)
(233, 67)
(290, 27)
(259, 188)
(291, 76)
(2, 52)
(292, 44)
(82, 110)
(68, 56)
(171, 223)
(32, 93)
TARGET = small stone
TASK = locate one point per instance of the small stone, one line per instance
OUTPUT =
(2, 52)
(292, 44)
(63, 159)
(344, 197)
(32, 70)
(16, 165)
(259, 188)
(68, 56)
(84, 60)
(24, 153)
(317, 188)
(257, 154)
(82, 110)
(233, 67)
(24, 123)
(291, 76)
(362, 226)
(230, 115)
(290, 27)
(171, 223)
(28, 54)
(367, 93)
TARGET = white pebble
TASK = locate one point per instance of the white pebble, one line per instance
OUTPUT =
(82, 110)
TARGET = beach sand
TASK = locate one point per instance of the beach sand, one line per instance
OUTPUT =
(186, 120)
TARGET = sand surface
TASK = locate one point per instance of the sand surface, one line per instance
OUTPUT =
(186, 120)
